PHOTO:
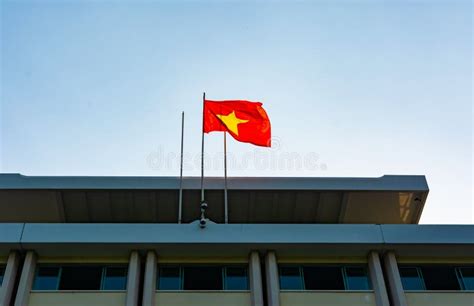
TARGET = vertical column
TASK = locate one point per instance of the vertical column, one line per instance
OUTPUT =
(6, 289)
(133, 279)
(394, 282)
(26, 279)
(271, 276)
(149, 285)
(376, 277)
(255, 275)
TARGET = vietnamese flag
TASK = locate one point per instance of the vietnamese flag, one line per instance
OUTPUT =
(246, 121)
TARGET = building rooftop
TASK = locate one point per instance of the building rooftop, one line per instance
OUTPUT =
(390, 199)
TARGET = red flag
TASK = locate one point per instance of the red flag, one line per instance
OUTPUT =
(246, 121)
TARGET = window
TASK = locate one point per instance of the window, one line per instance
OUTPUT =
(2, 273)
(324, 278)
(115, 278)
(440, 278)
(80, 277)
(356, 278)
(411, 278)
(47, 278)
(467, 277)
(437, 277)
(202, 278)
(290, 278)
(169, 278)
(235, 278)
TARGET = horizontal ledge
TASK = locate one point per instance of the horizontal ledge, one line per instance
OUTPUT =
(250, 234)
(383, 183)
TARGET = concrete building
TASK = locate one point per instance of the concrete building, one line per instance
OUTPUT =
(103, 241)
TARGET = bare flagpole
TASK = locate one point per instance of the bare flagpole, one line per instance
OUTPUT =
(180, 205)
(226, 212)
(202, 148)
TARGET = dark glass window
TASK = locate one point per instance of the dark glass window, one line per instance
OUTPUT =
(291, 278)
(169, 278)
(440, 278)
(115, 278)
(2, 273)
(323, 278)
(80, 278)
(411, 278)
(47, 278)
(236, 278)
(202, 278)
(356, 278)
(467, 278)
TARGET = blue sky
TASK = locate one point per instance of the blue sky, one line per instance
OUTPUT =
(353, 88)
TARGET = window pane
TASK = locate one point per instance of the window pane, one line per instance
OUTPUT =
(467, 278)
(202, 278)
(236, 279)
(115, 278)
(80, 278)
(46, 278)
(440, 278)
(411, 279)
(2, 272)
(169, 279)
(356, 278)
(323, 278)
(290, 278)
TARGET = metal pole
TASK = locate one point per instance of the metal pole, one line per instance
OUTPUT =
(226, 212)
(202, 148)
(180, 204)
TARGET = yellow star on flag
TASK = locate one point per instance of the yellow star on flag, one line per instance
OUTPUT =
(231, 122)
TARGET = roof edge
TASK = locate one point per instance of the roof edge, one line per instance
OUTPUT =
(383, 183)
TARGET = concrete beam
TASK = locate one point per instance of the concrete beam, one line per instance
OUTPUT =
(397, 294)
(26, 279)
(133, 279)
(377, 280)
(271, 276)
(149, 285)
(9, 278)
(255, 277)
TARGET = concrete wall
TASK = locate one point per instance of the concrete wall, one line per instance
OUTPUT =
(342, 298)
(202, 298)
(442, 298)
(77, 298)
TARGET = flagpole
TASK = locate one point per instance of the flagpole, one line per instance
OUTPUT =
(226, 212)
(202, 149)
(180, 204)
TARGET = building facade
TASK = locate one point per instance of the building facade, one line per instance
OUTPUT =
(104, 241)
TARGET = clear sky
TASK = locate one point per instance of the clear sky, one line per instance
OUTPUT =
(352, 88)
